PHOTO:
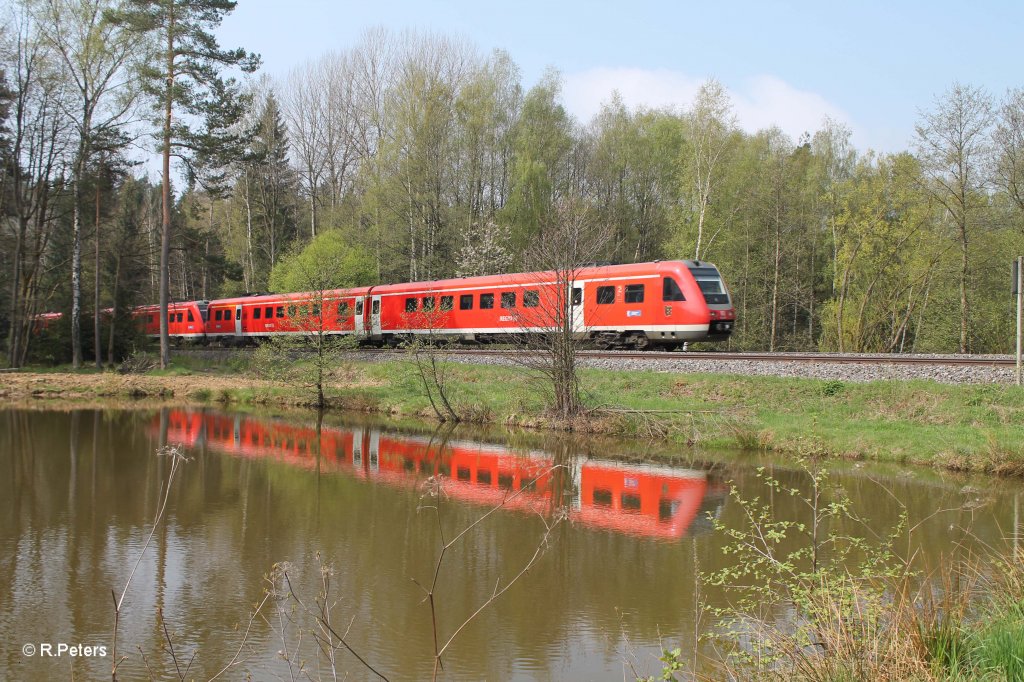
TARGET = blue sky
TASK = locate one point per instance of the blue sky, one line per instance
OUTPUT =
(872, 65)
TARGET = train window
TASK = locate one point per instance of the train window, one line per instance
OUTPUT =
(280, 311)
(605, 295)
(711, 285)
(577, 295)
(316, 308)
(375, 308)
(359, 307)
(410, 305)
(508, 299)
(505, 481)
(630, 502)
(447, 302)
(170, 318)
(466, 302)
(428, 303)
(217, 315)
(190, 318)
(256, 313)
(486, 301)
(634, 293)
(602, 498)
(343, 309)
(483, 476)
(670, 291)
(531, 299)
(462, 473)
(268, 312)
(179, 317)
(291, 311)
(238, 313)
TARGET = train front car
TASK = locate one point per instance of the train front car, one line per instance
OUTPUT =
(694, 305)
(722, 315)
(186, 321)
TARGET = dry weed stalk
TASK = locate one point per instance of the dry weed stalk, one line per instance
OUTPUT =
(433, 490)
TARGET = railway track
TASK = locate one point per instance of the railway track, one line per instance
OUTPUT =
(676, 356)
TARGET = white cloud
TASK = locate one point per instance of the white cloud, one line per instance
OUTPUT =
(584, 92)
(759, 102)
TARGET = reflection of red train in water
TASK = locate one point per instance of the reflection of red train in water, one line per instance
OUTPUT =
(635, 499)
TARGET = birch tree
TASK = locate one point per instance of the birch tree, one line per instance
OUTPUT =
(710, 124)
(953, 145)
(1009, 147)
(95, 53)
(38, 141)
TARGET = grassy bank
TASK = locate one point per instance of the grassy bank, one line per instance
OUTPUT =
(968, 427)
(829, 598)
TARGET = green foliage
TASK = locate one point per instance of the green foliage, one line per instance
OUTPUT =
(341, 265)
(821, 569)
(822, 600)
(542, 141)
(673, 663)
(313, 363)
(832, 387)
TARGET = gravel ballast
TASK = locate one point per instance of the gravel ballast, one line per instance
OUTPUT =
(818, 369)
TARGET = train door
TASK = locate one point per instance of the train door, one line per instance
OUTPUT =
(360, 320)
(375, 315)
(576, 500)
(576, 306)
(357, 449)
(238, 321)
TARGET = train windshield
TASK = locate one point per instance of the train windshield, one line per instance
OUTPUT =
(711, 285)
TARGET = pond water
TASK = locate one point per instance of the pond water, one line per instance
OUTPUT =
(617, 580)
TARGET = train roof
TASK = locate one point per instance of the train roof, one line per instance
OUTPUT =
(172, 305)
(519, 278)
(267, 299)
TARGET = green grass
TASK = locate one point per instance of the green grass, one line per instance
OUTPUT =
(958, 427)
(996, 642)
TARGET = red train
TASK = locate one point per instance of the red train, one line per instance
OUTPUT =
(639, 305)
(636, 499)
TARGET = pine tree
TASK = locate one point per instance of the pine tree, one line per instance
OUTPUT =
(274, 181)
(186, 79)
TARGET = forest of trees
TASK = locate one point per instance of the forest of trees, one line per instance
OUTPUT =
(416, 156)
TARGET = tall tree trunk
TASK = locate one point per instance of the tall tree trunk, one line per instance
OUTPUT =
(775, 281)
(97, 343)
(312, 208)
(206, 260)
(76, 264)
(248, 236)
(113, 310)
(13, 339)
(165, 195)
(963, 290)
